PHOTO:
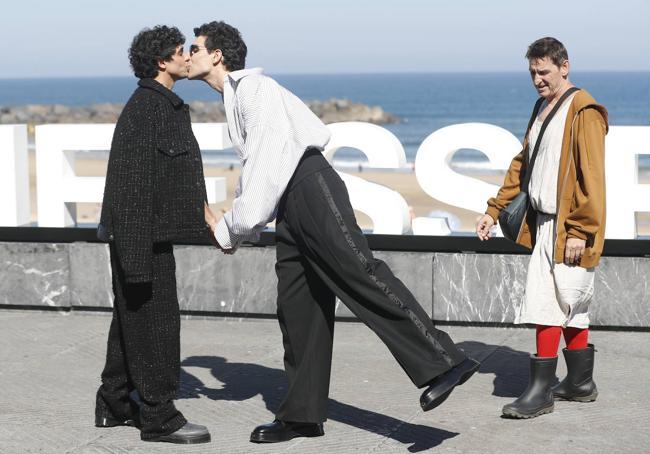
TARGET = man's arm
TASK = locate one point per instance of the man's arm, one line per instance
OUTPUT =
(510, 187)
(261, 187)
(588, 213)
(133, 202)
(266, 170)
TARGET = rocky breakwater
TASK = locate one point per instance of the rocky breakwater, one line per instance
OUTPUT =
(330, 111)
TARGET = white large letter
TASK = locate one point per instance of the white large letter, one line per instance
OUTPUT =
(14, 176)
(387, 208)
(58, 186)
(433, 170)
(625, 196)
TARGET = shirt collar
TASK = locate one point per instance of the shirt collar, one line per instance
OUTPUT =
(236, 76)
(160, 88)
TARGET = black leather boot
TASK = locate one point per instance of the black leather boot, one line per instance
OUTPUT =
(279, 431)
(537, 399)
(578, 385)
(441, 387)
(128, 413)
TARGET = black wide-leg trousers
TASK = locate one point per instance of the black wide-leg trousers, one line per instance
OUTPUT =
(143, 351)
(322, 253)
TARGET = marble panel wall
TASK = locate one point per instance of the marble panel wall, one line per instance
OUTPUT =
(209, 280)
(90, 275)
(246, 282)
(450, 287)
(477, 287)
(488, 288)
(34, 274)
(622, 292)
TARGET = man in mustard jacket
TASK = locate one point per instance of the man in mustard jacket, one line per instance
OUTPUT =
(564, 225)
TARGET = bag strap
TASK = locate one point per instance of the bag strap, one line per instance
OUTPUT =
(547, 120)
(538, 105)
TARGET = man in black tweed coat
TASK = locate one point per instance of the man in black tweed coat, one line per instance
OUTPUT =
(155, 193)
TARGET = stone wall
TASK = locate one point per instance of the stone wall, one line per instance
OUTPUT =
(488, 288)
(451, 287)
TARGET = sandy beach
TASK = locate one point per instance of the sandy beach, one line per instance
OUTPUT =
(403, 182)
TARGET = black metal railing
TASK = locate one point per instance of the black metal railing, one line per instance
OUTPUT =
(406, 243)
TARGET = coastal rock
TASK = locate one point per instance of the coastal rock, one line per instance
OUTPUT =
(207, 112)
(330, 111)
(335, 110)
(59, 109)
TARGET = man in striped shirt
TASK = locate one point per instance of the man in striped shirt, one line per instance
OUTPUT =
(321, 251)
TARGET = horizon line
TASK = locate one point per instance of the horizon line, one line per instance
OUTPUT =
(351, 73)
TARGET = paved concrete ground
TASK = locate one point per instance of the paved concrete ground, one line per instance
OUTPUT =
(232, 379)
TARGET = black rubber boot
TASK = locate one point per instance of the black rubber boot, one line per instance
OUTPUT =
(578, 385)
(537, 399)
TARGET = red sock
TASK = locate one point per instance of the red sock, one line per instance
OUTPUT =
(548, 340)
(576, 338)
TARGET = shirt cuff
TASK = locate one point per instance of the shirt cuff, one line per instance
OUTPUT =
(223, 236)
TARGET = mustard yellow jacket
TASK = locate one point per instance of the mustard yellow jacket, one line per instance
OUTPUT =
(580, 184)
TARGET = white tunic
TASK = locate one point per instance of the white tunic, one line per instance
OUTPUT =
(542, 188)
(556, 294)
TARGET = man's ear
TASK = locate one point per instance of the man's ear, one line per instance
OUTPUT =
(564, 68)
(162, 64)
(217, 57)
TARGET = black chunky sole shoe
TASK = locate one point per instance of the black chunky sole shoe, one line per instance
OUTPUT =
(279, 431)
(187, 440)
(107, 421)
(189, 434)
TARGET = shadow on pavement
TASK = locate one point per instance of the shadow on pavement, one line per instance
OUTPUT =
(242, 381)
(510, 367)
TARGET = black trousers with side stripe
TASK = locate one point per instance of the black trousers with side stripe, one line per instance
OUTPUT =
(322, 253)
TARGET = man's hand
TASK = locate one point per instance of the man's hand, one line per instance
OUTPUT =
(483, 226)
(211, 221)
(218, 246)
(575, 248)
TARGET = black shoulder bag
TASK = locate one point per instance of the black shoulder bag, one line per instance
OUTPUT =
(512, 217)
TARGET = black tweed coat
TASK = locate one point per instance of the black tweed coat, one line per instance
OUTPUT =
(155, 191)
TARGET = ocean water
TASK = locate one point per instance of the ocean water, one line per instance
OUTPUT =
(424, 102)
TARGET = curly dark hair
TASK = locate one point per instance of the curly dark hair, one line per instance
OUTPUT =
(151, 45)
(226, 38)
(548, 47)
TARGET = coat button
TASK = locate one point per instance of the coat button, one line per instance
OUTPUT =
(171, 151)
(111, 237)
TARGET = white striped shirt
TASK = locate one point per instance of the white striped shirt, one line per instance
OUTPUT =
(270, 128)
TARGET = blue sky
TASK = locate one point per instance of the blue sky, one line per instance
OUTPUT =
(90, 38)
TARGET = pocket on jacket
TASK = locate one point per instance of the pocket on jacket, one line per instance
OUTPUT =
(171, 148)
